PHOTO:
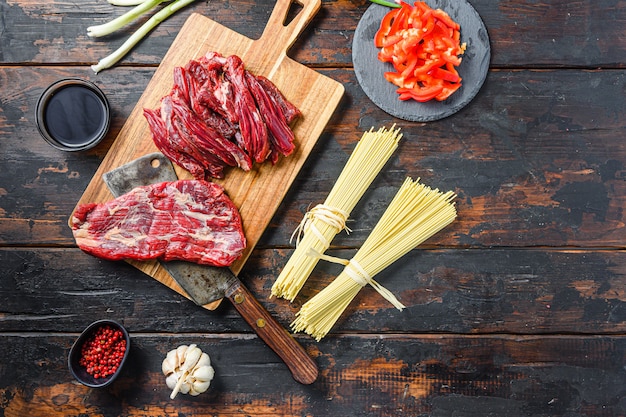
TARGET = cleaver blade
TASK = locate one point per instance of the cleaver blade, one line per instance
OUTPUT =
(205, 284)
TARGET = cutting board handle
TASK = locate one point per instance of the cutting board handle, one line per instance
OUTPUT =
(278, 36)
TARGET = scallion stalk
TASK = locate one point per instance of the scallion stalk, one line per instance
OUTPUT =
(153, 22)
(123, 20)
(386, 3)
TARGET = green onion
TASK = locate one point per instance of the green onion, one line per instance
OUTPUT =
(126, 18)
(153, 22)
(386, 3)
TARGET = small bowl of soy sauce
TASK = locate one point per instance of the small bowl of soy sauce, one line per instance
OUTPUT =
(73, 115)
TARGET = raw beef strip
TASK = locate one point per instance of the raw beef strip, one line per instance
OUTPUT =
(281, 135)
(196, 99)
(179, 147)
(187, 220)
(290, 111)
(251, 125)
(185, 144)
(163, 142)
(214, 90)
(207, 139)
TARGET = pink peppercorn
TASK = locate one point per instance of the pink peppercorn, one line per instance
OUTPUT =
(102, 352)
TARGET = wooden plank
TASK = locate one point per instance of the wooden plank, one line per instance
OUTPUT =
(362, 375)
(535, 162)
(515, 291)
(558, 33)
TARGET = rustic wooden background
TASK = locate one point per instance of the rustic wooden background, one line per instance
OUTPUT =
(518, 308)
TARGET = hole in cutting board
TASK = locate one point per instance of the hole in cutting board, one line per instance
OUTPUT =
(294, 10)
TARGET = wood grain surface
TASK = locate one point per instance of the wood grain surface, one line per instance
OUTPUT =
(517, 309)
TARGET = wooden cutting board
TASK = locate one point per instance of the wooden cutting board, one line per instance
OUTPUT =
(259, 192)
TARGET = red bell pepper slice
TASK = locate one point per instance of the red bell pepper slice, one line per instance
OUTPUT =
(421, 94)
(446, 19)
(385, 27)
(444, 74)
(447, 91)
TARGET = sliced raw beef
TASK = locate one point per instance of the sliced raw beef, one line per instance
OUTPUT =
(251, 123)
(197, 98)
(281, 135)
(220, 115)
(187, 220)
(290, 112)
(215, 90)
(171, 150)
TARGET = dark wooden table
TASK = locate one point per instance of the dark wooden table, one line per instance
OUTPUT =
(517, 309)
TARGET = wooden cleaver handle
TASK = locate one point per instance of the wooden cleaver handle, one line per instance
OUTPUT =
(301, 365)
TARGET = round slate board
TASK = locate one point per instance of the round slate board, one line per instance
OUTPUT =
(473, 69)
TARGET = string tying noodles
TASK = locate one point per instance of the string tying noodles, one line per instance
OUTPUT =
(321, 224)
(332, 216)
(415, 214)
(358, 274)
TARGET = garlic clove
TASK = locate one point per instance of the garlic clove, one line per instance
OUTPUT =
(170, 363)
(185, 387)
(192, 357)
(204, 360)
(180, 354)
(203, 373)
(199, 387)
(171, 381)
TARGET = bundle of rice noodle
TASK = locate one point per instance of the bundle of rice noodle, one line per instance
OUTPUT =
(322, 223)
(415, 214)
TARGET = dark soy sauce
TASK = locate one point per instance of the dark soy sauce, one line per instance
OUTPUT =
(75, 116)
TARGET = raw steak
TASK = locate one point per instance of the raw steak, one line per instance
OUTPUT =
(189, 220)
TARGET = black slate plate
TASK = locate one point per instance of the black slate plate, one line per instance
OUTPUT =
(473, 69)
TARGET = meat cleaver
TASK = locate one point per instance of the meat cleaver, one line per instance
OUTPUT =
(205, 284)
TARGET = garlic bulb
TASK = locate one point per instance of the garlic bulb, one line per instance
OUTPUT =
(187, 370)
